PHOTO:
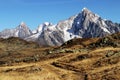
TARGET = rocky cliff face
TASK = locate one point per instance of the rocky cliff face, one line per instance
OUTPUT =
(88, 24)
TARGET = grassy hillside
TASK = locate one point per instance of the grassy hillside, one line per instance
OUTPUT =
(77, 59)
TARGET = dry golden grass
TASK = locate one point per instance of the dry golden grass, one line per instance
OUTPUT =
(74, 61)
(75, 66)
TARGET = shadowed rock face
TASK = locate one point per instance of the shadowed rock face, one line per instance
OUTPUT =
(88, 25)
(46, 39)
(83, 25)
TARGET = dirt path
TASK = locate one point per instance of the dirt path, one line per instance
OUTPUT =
(105, 49)
(48, 71)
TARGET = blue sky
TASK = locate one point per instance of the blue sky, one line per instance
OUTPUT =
(35, 12)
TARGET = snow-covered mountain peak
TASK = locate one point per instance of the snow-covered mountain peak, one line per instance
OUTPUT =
(22, 24)
(89, 15)
(21, 31)
(85, 10)
(43, 26)
(47, 23)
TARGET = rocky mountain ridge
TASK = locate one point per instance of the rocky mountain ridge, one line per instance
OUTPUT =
(86, 24)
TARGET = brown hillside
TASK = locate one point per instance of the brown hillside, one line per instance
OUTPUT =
(77, 59)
